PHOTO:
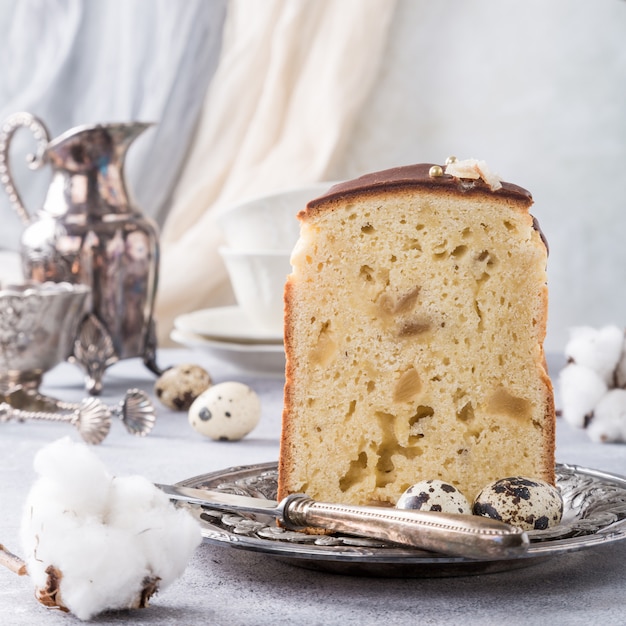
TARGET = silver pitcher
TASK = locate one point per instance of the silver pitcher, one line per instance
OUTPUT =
(89, 232)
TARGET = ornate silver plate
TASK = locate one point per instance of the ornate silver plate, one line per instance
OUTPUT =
(594, 514)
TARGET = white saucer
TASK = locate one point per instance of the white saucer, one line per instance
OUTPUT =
(227, 323)
(267, 360)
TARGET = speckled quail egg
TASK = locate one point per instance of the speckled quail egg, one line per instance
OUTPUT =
(179, 386)
(527, 503)
(225, 412)
(434, 495)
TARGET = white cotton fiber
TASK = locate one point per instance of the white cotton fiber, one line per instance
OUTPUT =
(581, 389)
(620, 370)
(142, 509)
(597, 349)
(109, 538)
(609, 418)
(85, 488)
(102, 570)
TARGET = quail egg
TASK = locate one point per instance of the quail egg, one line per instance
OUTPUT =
(527, 503)
(434, 495)
(179, 386)
(225, 412)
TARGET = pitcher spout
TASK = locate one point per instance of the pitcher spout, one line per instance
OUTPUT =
(88, 147)
(88, 164)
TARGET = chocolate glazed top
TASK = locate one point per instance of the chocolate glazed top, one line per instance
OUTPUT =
(418, 176)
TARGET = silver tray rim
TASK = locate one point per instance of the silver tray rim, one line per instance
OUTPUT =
(350, 558)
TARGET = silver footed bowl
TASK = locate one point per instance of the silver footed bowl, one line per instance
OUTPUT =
(38, 324)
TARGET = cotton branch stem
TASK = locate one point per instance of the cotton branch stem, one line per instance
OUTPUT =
(12, 562)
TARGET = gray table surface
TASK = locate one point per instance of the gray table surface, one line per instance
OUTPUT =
(225, 586)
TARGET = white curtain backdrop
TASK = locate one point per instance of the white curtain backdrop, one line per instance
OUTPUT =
(252, 96)
(292, 78)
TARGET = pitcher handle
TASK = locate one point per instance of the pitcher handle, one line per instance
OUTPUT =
(35, 161)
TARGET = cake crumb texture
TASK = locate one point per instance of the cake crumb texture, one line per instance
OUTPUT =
(415, 316)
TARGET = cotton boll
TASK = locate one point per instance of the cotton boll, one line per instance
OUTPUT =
(140, 508)
(83, 490)
(597, 349)
(607, 430)
(96, 562)
(581, 389)
(132, 501)
(84, 555)
(620, 370)
(609, 418)
(89, 555)
(102, 570)
(42, 512)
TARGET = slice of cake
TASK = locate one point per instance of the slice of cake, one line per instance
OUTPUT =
(415, 316)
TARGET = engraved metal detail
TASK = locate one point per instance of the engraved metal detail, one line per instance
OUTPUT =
(137, 412)
(93, 349)
(591, 505)
(88, 231)
(42, 137)
(37, 326)
(92, 418)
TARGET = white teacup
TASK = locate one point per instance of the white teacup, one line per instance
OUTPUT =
(258, 280)
(268, 221)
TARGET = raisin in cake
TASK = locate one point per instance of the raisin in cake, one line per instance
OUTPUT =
(415, 316)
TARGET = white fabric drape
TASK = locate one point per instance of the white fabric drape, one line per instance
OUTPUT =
(291, 80)
(454, 78)
(292, 77)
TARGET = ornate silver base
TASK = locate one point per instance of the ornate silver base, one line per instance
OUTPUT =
(94, 352)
